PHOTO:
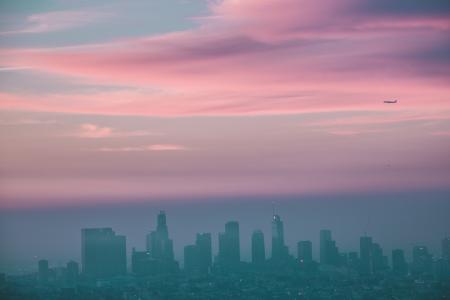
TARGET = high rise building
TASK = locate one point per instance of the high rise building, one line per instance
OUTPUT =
(103, 253)
(158, 243)
(258, 248)
(143, 264)
(229, 245)
(422, 261)
(43, 271)
(279, 249)
(365, 254)
(399, 265)
(304, 252)
(72, 272)
(191, 257)
(204, 249)
(198, 257)
(325, 237)
(379, 261)
(329, 253)
(160, 246)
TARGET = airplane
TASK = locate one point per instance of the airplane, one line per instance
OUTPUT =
(390, 101)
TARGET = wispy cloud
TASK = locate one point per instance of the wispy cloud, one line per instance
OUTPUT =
(332, 55)
(94, 131)
(11, 69)
(154, 147)
(28, 122)
(58, 21)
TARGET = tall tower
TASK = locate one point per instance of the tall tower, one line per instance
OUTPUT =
(158, 243)
(422, 261)
(279, 249)
(304, 252)
(399, 266)
(229, 245)
(365, 253)
(161, 226)
(325, 238)
(204, 247)
(258, 248)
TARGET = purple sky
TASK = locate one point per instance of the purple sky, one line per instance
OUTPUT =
(109, 100)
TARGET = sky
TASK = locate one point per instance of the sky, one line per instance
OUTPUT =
(108, 101)
(213, 110)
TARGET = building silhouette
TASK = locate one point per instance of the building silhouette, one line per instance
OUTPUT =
(365, 253)
(325, 237)
(379, 261)
(304, 251)
(160, 247)
(198, 257)
(72, 272)
(229, 245)
(279, 249)
(329, 253)
(103, 253)
(142, 263)
(204, 248)
(399, 265)
(43, 271)
(258, 248)
(422, 261)
(191, 258)
(158, 242)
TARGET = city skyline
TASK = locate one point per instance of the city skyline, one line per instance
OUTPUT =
(224, 149)
(104, 254)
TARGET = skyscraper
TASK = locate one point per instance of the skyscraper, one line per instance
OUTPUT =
(72, 271)
(379, 261)
(142, 263)
(204, 249)
(103, 253)
(258, 248)
(229, 245)
(158, 243)
(304, 251)
(422, 261)
(198, 257)
(329, 253)
(160, 246)
(325, 237)
(365, 253)
(43, 271)
(399, 266)
(279, 249)
(191, 257)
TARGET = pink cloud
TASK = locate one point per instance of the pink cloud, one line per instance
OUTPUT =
(94, 131)
(155, 147)
(88, 130)
(255, 57)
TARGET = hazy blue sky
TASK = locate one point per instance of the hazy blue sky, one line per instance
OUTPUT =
(173, 101)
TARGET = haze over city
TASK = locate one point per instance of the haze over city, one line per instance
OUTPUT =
(334, 113)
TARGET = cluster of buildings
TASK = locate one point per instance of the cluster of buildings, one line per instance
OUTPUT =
(155, 274)
(104, 254)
